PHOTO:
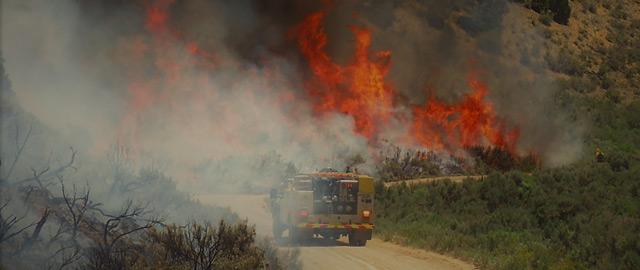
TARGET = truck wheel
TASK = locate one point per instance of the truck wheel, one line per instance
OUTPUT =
(356, 241)
(293, 235)
(277, 231)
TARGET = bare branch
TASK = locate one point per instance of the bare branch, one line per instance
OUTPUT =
(7, 224)
(76, 206)
(57, 235)
(125, 233)
(46, 174)
(3, 206)
(124, 223)
(19, 150)
(40, 224)
(36, 232)
(67, 260)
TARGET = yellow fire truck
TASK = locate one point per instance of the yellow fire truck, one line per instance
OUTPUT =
(327, 204)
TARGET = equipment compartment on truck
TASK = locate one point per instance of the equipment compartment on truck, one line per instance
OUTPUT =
(325, 205)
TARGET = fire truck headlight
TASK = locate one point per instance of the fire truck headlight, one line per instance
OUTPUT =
(366, 213)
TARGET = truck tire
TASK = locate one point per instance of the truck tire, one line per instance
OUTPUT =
(356, 241)
(299, 236)
(277, 231)
(294, 236)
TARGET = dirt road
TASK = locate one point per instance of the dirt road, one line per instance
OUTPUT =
(454, 178)
(376, 255)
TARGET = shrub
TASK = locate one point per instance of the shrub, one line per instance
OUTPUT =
(399, 164)
(559, 10)
(566, 62)
(488, 159)
(563, 218)
(546, 17)
(195, 246)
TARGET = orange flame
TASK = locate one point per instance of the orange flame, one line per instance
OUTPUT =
(358, 89)
(468, 123)
(148, 90)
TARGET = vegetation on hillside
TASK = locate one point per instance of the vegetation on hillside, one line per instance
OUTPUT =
(602, 82)
(558, 10)
(581, 216)
(402, 164)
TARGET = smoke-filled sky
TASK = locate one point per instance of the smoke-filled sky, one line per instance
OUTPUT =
(194, 81)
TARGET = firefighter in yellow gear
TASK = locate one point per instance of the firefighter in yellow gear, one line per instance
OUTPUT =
(599, 155)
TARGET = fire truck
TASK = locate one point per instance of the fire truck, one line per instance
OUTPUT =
(326, 205)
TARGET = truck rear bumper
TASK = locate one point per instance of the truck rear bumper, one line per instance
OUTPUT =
(335, 231)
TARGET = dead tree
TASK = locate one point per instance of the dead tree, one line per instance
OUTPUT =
(63, 248)
(10, 224)
(15, 240)
(125, 223)
(121, 167)
(19, 148)
(73, 223)
(35, 235)
(43, 176)
(76, 207)
(113, 251)
(68, 254)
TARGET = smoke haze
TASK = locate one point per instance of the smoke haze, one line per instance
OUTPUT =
(211, 90)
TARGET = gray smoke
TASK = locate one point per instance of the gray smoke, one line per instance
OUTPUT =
(71, 66)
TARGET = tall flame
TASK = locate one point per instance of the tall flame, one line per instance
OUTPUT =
(357, 89)
(470, 122)
(170, 62)
(360, 90)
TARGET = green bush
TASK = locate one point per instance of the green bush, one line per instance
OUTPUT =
(579, 217)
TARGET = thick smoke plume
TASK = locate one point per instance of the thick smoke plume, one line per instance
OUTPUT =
(222, 92)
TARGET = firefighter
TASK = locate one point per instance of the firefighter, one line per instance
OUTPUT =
(599, 155)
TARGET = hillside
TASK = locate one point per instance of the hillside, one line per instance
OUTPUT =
(111, 112)
(594, 59)
(579, 216)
